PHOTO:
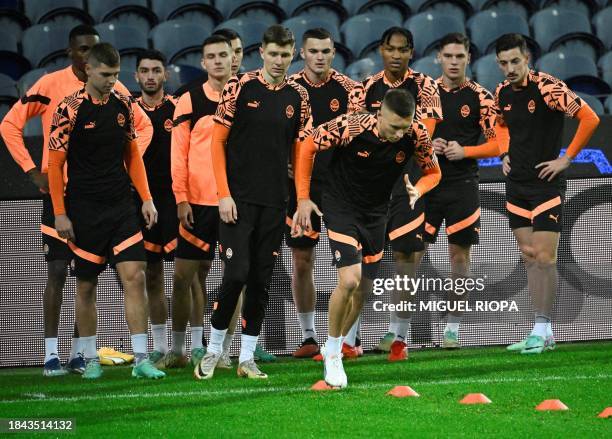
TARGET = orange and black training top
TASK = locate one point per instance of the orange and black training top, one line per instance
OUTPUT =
(368, 96)
(328, 99)
(95, 136)
(264, 122)
(469, 110)
(157, 155)
(534, 115)
(364, 167)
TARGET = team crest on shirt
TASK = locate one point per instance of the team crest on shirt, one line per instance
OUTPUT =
(400, 157)
(334, 105)
(229, 253)
(168, 125)
(465, 111)
(289, 111)
(531, 106)
(121, 119)
(337, 255)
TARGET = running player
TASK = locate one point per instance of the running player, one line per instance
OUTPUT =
(532, 105)
(371, 155)
(92, 131)
(195, 192)
(406, 226)
(468, 110)
(260, 117)
(328, 93)
(42, 100)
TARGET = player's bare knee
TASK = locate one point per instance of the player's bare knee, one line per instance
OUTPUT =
(56, 273)
(544, 258)
(349, 280)
(303, 261)
(527, 254)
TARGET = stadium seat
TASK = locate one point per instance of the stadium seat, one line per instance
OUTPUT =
(42, 43)
(387, 8)
(603, 26)
(8, 89)
(122, 36)
(359, 70)
(251, 59)
(585, 7)
(429, 27)
(608, 104)
(201, 11)
(525, 8)
(133, 12)
(29, 79)
(13, 22)
(126, 76)
(179, 75)
(333, 11)
(605, 64)
(555, 26)
(487, 72)
(461, 9)
(299, 25)
(264, 11)
(177, 38)
(363, 31)
(593, 102)
(566, 65)
(250, 31)
(11, 62)
(4, 108)
(351, 6)
(65, 12)
(486, 26)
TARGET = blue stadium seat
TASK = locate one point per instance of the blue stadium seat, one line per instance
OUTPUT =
(65, 12)
(42, 43)
(461, 9)
(250, 31)
(4, 108)
(362, 32)
(487, 72)
(585, 7)
(605, 64)
(265, 11)
(525, 8)
(351, 6)
(11, 61)
(553, 27)
(603, 26)
(593, 102)
(486, 26)
(132, 12)
(331, 10)
(387, 8)
(359, 70)
(429, 27)
(295, 67)
(122, 36)
(201, 11)
(29, 79)
(13, 22)
(8, 89)
(608, 104)
(251, 59)
(578, 71)
(126, 76)
(177, 38)
(299, 25)
(179, 75)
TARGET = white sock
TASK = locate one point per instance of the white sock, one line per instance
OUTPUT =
(178, 342)
(196, 337)
(216, 340)
(403, 325)
(247, 347)
(160, 337)
(89, 347)
(139, 343)
(333, 346)
(307, 324)
(227, 342)
(549, 332)
(539, 329)
(75, 350)
(50, 348)
(350, 338)
(392, 323)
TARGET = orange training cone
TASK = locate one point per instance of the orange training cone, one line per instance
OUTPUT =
(607, 413)
(321, 385)
(551, 404)
(475, 398)
(402, 392)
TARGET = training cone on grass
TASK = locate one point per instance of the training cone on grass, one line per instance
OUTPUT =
(551, 404)
(475, 398)
(607, 413)
(321, 385)
(402, 392)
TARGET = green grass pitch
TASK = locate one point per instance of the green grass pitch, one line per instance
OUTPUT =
(117, 405)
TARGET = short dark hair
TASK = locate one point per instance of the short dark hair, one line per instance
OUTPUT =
(80, 30)
(509, 42)
(279, 35)
(214, 39)
(455, 38)
(103, 53)
(151, 54)
(230, 34)
(317, 33)
(396, 30)
(400, 101)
